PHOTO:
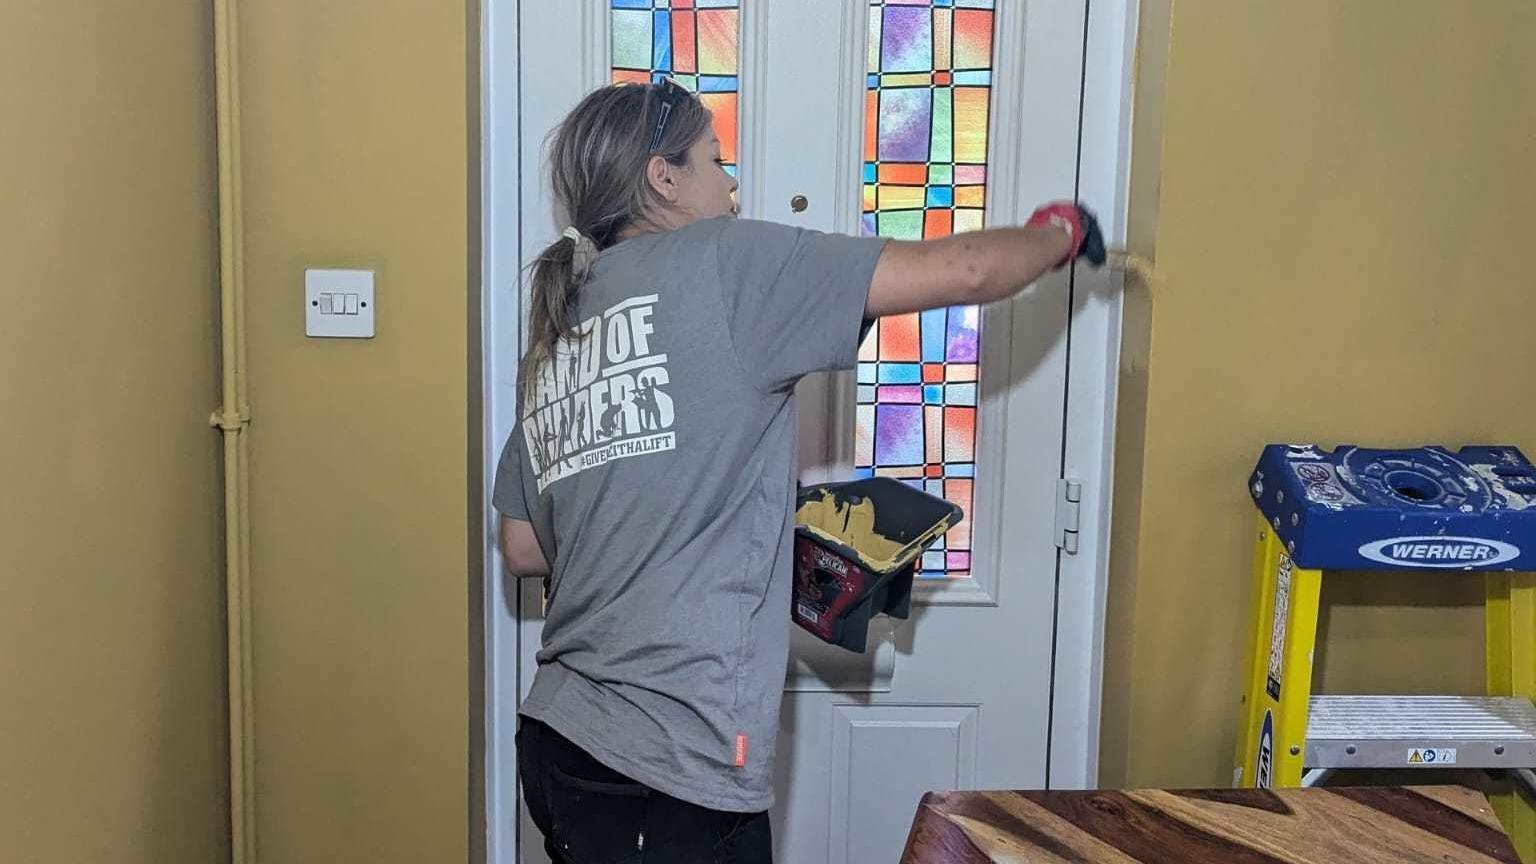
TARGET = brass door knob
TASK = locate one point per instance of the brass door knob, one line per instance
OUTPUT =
(799, 203)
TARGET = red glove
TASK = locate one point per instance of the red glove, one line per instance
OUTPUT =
(1066, 216)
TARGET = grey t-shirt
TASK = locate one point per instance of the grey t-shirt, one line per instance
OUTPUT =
(656, 463)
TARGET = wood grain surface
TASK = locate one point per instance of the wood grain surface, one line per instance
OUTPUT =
(1439, 824)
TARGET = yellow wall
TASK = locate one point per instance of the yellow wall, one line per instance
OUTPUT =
(356, 142)
(112, 700)
(1342, 196)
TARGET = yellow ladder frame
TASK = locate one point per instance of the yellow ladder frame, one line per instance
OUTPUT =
(1285, 608)
(1511, 663)
(1278, 693)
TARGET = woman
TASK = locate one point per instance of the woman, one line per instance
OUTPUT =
(650, 479)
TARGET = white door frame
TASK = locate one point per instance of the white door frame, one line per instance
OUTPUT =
(1093, 358)
(501, 340)
(1093, 367)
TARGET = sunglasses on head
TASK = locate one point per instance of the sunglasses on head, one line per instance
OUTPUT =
(671, 94)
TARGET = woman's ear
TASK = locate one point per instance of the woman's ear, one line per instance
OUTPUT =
(659, 174)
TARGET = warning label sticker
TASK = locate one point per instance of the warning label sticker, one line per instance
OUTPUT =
(1426, 756)
(1277, 629)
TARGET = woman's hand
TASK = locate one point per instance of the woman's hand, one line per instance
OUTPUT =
(980, 267)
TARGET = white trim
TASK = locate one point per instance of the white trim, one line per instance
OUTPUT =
(752, 131)
(515, 226)
(825, 439)
(836, 391)
(1092, 385)
(500, 303)
(848, 184)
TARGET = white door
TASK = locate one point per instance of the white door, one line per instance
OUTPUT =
(908, 118)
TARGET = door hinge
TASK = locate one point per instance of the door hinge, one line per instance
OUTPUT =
(1069, 502)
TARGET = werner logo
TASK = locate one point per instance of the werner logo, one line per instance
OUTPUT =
(1264, 770)
(1448, 552)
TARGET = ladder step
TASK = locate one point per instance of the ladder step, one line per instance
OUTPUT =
(1421, 732)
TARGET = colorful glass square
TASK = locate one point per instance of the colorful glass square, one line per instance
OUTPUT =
(925, 150)
(696, 43)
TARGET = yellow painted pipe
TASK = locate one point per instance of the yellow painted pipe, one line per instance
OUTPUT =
(232, 418)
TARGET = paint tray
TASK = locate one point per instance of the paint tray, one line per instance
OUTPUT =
(857, 547)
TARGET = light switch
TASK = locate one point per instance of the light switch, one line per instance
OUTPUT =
(338, 303)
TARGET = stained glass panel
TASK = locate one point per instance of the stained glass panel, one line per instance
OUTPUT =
(925, 175)
(694, 42)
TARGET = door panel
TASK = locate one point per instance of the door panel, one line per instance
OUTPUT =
(883, 759)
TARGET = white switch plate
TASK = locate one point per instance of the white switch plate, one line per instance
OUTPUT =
(338, 303)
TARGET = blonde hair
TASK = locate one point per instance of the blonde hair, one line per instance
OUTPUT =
(597, 164)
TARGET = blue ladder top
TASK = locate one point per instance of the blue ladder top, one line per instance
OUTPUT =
(1359, 509)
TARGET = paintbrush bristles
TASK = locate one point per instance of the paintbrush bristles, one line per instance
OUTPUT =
(1129, 262)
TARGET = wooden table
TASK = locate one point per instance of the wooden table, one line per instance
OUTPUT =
(1424, 824)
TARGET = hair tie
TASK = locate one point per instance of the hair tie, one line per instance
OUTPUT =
(584, 253)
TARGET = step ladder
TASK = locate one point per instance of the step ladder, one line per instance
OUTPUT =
(1358, 732)
(1467, 514)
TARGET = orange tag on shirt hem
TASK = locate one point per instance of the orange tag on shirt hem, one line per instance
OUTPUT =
(741, 749)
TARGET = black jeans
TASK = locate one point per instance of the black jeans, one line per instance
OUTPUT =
(591, 814)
